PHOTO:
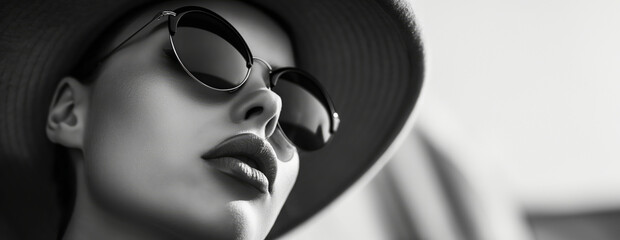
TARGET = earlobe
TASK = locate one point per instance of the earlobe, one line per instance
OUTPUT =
(67, 114)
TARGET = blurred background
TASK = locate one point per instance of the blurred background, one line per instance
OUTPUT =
(517, 131)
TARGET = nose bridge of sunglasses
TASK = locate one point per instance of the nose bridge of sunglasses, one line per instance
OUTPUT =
(266, 76)
(264, 62)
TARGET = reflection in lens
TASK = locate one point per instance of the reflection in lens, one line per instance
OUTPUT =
(206, 55)
(304, 119)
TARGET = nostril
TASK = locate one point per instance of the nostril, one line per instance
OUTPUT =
(253, 111)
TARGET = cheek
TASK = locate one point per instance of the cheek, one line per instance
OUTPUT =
(287, 174)
(142, 152)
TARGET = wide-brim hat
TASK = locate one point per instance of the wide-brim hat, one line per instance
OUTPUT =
(366, 53)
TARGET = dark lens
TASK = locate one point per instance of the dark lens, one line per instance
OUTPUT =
(304, 118)
(205, 54)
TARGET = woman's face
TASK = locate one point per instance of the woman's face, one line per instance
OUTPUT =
(150, 126)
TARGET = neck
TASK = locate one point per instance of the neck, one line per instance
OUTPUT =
(90, 221)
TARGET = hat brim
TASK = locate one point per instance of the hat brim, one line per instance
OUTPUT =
(366, 53)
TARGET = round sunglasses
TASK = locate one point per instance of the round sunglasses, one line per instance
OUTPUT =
(308, 118)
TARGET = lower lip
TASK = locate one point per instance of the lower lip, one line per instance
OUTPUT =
(241, 171)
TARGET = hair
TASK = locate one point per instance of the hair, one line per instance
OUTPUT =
(65, 177)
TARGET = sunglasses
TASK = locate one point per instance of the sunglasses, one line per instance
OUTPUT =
(308, 118)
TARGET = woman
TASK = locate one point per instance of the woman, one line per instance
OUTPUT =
(163, 145)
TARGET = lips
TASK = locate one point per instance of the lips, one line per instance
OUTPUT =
(245, 157)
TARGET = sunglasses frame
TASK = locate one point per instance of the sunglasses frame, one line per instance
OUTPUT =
(313, 86)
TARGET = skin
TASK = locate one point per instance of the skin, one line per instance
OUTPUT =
(137, 133)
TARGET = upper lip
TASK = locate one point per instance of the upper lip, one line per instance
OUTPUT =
(248, 147)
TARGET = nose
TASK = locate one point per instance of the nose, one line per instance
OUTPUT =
(256, 106)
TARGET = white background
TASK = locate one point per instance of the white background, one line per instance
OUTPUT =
(537, 82)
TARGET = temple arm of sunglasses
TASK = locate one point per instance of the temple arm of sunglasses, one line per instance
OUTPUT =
(157, 17)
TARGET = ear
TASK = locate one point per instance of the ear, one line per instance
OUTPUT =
(67, 114)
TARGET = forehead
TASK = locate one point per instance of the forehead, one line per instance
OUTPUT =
(266, 38)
